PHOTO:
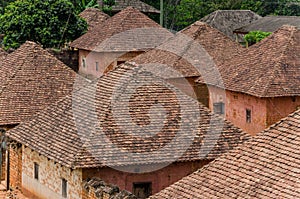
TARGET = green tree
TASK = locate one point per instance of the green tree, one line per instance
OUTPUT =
(255, 37)
(3, 4)
(49, 22)
(81, 5)
(276, 7)
(181, 13)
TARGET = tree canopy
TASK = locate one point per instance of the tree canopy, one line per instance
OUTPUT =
(51, 23)
(255, 37)
(181, 13)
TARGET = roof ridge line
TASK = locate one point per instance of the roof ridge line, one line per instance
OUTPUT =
(215, 15)
(278, 62)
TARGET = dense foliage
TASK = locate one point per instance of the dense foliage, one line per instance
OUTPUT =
(181, 13)
(81, 5)
(55, 22)
(255, 36)
(49, 22)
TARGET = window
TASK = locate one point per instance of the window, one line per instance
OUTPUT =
(219, 108)
(64, 187)
(97, 66)
(248, 115)
(120, 62)
(83, 62)
(36, 171)
(142, 189)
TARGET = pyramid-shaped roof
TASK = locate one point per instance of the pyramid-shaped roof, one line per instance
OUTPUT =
(31, 79)
(93, 16)
(106, 124)
(141, 6)
(128, 30)
(270, 68)
(227, 21)
(267, 166)
(197, 43)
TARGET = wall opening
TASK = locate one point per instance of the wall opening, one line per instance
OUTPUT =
(36, 171)
(142, 189)
(219, 108)
(248, 115)
(64, 187)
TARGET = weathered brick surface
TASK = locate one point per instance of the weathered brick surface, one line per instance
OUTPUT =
(3, 166)
(67, 56)
(51, 173)
(280, 107)
(264, 111)
(15, 169)
(160, 178)
(106, 60)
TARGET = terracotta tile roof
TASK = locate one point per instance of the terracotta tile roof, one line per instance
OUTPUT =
(227, 21)
(270, 68)
(31, 79)
(65, 131)
(128, 30)
(93, 16)
(102, 189)
(179, 52)
(269, 24)
(141, 6)
(267, 166)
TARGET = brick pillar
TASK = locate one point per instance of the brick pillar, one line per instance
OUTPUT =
(15, 170)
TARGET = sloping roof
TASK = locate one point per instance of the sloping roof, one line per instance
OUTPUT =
(197, 41)
(269, 24)
(31, 79)
(267, 166)
(93, 16)
(141, 6)
(114, 127)
(227, 21)
(270, 68)
(128, 30)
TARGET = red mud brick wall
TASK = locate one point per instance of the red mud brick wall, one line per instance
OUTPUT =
(235, 109)
(105, 61)
(160, 179)
(280, 107)
(15, 158)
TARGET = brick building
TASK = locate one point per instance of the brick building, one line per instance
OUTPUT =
(31, 79)
(267, 166)
(189, 55)
(262, 83)
(118, 39)
(128, 128)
